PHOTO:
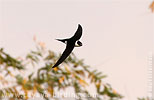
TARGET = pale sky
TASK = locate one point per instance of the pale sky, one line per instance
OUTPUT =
(117, 35)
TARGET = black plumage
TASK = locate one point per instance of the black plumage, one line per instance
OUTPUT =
(70, 44)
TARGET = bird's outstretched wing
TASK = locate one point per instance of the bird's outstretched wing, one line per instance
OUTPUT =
(78, 33)
(67, 51)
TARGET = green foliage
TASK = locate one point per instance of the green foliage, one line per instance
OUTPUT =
(47, 81)
(8, 61)
(147, 98)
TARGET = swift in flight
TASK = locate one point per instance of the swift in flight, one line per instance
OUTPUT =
(70, 44)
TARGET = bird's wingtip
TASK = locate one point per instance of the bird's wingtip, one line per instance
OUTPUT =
(79, 24)
(53, 66)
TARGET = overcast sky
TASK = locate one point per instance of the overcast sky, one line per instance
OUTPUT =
(117, 35)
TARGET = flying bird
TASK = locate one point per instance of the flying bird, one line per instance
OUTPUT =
(70, 44)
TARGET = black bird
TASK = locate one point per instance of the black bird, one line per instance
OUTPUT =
(70, 44)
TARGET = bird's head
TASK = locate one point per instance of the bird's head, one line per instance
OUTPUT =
(78, 44)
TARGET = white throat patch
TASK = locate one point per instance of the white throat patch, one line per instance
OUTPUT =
(76, 44)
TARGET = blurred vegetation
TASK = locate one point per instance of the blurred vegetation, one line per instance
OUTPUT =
(15, 84)
(147, 98)
(45, 81)
(152, 6)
